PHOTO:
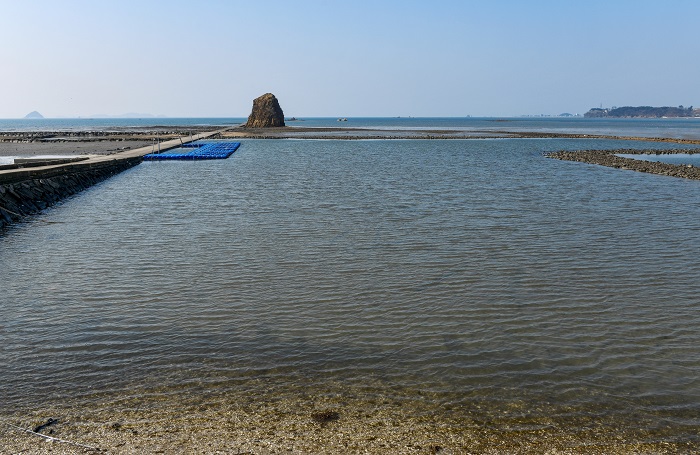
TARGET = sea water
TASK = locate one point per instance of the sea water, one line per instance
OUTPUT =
(477, 273)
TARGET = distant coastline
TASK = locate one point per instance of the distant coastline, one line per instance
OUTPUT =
(643, 112)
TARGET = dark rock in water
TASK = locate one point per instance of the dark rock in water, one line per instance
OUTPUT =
(266, 113)
(34, 114)
(325, 416)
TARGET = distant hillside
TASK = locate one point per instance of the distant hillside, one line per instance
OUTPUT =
(644, 112)
(34, 114)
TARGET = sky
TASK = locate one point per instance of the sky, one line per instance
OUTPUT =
(346, 58)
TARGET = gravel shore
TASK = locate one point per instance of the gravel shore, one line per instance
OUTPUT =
(312, 423)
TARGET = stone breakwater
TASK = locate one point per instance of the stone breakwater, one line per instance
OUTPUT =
(163, 133)
(609, 158)
(29, 191)
(26, 190)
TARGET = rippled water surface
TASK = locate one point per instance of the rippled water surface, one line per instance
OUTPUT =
(473, 271)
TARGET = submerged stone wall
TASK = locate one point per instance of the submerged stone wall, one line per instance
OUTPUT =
(609, 158)
(29, 191)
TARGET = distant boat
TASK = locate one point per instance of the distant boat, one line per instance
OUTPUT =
(342, 119)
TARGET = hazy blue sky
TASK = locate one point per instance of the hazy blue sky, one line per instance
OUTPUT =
(346, 58)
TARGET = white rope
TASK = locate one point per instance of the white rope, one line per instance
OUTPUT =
(51, 438)
(9, 211)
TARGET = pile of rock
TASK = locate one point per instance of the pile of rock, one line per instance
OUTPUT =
(266, 113)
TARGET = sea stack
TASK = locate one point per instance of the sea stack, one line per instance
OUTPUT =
(266, 113)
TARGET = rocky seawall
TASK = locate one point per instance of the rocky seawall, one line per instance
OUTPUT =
(28, 191)
(609, 158)
(116, 134)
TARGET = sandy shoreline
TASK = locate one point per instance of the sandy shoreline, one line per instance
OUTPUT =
(318, 421)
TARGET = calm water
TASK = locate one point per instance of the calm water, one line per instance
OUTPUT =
(477, 272)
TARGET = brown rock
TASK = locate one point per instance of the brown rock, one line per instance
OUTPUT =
(266, 113)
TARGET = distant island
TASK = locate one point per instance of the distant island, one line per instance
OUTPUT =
(34, 114)
(643, 112)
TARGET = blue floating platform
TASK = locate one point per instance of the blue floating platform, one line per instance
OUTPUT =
(200, 151)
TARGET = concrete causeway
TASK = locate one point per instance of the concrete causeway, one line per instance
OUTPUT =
(16, 175)
(29, 190)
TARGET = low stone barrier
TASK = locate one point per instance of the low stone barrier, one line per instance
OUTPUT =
(28, 191)
(609, 158)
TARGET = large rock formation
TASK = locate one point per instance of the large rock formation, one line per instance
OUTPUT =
(266, 113)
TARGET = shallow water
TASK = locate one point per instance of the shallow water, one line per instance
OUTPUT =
(477, 273)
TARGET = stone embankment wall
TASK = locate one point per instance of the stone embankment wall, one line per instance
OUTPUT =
(137, 133)
(609, 158)
(28, 191)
